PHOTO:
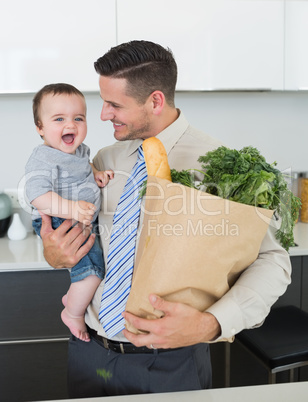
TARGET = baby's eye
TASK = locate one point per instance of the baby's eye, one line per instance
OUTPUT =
(59, 119)
(79, 119)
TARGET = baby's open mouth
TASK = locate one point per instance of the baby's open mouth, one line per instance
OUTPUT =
(68, 138)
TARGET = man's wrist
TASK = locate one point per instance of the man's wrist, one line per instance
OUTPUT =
(211, 327)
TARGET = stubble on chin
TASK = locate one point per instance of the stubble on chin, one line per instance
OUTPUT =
(136, 134)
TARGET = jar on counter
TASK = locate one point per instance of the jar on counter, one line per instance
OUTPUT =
(294, 185)
(304, 196)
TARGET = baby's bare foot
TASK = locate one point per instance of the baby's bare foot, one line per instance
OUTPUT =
(64, 300)
(76, 325)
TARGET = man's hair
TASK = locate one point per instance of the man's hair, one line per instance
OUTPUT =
(54, 89)
(146, 66)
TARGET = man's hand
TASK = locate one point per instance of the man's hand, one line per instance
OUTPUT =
(63, 249)
(181, 325)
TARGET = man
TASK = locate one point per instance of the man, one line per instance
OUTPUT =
(137, 84)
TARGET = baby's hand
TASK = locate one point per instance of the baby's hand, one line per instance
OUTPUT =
(83, 212)
(102, 177)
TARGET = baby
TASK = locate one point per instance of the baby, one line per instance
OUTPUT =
(61, 182)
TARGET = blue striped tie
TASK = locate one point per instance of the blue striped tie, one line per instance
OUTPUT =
(121, 254)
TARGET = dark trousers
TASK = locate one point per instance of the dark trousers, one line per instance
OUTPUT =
(95, 371)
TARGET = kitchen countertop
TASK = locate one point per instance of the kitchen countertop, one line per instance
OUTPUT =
(297, 391)
(301, 239)
(18, 255)
(27, 254)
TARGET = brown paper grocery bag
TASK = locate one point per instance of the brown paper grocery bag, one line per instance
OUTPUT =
(192, 248)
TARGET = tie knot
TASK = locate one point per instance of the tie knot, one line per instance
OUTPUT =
(140, 153)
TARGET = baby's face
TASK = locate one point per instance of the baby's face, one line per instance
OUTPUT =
(63, 121)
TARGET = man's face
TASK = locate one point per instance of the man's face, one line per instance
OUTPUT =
(130, 119)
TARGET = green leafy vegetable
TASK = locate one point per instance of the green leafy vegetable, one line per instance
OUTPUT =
(107, 375)
(184, 177)
(244, 176)
(143, 189)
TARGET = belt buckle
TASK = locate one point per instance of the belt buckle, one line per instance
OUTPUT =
(105, 342)
(106, 345)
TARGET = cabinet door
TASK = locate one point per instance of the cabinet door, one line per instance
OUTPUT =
(57, 41)
(305, 284)
(218, 44)
(33, 345)
(177, 26)
(33, 372)
(30, 304)
(292, 295)
(245, 44)
(296, 55)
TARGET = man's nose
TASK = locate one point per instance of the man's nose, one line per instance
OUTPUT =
(107, 112)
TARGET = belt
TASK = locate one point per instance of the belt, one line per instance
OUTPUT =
(122, 347)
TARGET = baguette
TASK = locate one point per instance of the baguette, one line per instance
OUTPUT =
(156, 158)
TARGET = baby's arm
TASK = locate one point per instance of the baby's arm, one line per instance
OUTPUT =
(54, 205)
(102, 177)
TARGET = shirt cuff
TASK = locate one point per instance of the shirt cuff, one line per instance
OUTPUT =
(229, 316)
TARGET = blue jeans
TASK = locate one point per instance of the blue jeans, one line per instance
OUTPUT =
(91, 264)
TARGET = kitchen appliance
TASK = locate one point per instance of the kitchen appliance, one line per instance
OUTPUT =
(5, 213)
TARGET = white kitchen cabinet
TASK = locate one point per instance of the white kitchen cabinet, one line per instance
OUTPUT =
(173, 24)
(245, 44)
(296, 54)
(218, 44)
(56, 41)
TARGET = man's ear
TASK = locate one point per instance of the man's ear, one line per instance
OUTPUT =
(158, 101)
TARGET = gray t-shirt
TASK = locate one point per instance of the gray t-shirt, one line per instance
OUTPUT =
(68, 175)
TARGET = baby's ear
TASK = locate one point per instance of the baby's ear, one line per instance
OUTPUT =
(39, 129)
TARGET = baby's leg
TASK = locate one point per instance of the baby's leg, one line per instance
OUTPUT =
(78, 298)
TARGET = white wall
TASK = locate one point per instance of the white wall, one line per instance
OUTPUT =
(274, 122)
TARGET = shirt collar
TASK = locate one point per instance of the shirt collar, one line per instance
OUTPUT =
(171, 134)
(133, 146)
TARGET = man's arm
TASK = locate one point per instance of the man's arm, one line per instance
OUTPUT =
(64, 248)
(245, 305)
(249, 301)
